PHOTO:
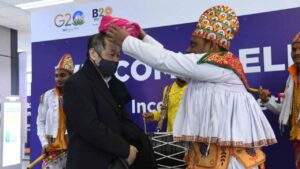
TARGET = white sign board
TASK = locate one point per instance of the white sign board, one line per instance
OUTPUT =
(11, 133)
(76, 21)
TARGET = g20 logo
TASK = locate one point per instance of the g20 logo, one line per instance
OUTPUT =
(67, 19)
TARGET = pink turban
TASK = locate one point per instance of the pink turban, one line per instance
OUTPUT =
(131, 27)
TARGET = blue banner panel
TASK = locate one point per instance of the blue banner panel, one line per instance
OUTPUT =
(262, 44)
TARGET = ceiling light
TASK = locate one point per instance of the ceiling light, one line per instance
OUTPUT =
(42, 3)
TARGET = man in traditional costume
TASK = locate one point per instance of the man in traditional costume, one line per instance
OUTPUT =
(51, 127)
(218, 116)
(288, 110)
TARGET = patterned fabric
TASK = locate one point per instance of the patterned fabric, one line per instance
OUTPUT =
(295, 130)
(295, 99)
(296, 38)
(217, 157)
(55, 160)
(226, 60)
(66, 63)
(219, 24)
(250, 157)
(131, 27)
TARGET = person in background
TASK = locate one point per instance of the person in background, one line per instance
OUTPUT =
(220, 119)
(288, 110)
(171, 100)
(51, 127)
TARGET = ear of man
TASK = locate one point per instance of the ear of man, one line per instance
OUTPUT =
(92, 54)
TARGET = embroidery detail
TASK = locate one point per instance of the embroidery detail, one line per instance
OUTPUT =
(219, 24)
(226, 60)
(251, 152)
(203, 149)
(216, 140)
(223, 156)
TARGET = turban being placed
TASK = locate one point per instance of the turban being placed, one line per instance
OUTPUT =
(131, 27)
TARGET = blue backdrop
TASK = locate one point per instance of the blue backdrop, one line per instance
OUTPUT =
(267, 35)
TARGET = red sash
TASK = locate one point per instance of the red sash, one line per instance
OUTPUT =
(226, 60)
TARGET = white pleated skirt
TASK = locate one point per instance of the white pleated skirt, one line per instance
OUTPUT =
(223, 114)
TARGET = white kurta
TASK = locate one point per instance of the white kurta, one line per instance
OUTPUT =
(216, 107)
(284, 109)
(47, 124)
(47, 119)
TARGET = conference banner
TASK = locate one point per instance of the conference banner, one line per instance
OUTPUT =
(262, 44)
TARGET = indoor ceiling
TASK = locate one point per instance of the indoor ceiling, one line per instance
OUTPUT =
(19, 19)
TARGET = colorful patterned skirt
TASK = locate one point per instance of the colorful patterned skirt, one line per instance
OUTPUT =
(202, 156)
(55, 160)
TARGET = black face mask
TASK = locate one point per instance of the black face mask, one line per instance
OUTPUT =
(107, 67)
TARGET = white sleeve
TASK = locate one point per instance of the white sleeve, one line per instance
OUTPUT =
(41, 121)
(273, 105)
(148, 39)
(178, 64)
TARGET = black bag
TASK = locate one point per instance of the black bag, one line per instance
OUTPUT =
(118, 163)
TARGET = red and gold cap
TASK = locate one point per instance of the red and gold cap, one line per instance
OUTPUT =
(66, 63)
(219, 24)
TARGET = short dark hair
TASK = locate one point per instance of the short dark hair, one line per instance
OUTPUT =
(96, 41)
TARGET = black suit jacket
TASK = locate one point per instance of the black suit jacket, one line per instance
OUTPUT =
(119, 91)
(94, 122)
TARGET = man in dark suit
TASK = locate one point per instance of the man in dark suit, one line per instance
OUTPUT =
(119, 91)
(99, 131)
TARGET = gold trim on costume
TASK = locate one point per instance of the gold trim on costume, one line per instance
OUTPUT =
(215, 140)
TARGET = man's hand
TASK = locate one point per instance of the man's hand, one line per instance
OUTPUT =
(142, 34)
(148, 116)
(264, 94)
(117, 35)
(132, 154)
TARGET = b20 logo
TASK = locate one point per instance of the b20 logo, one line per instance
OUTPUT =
(68, 20)
(102, 11)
